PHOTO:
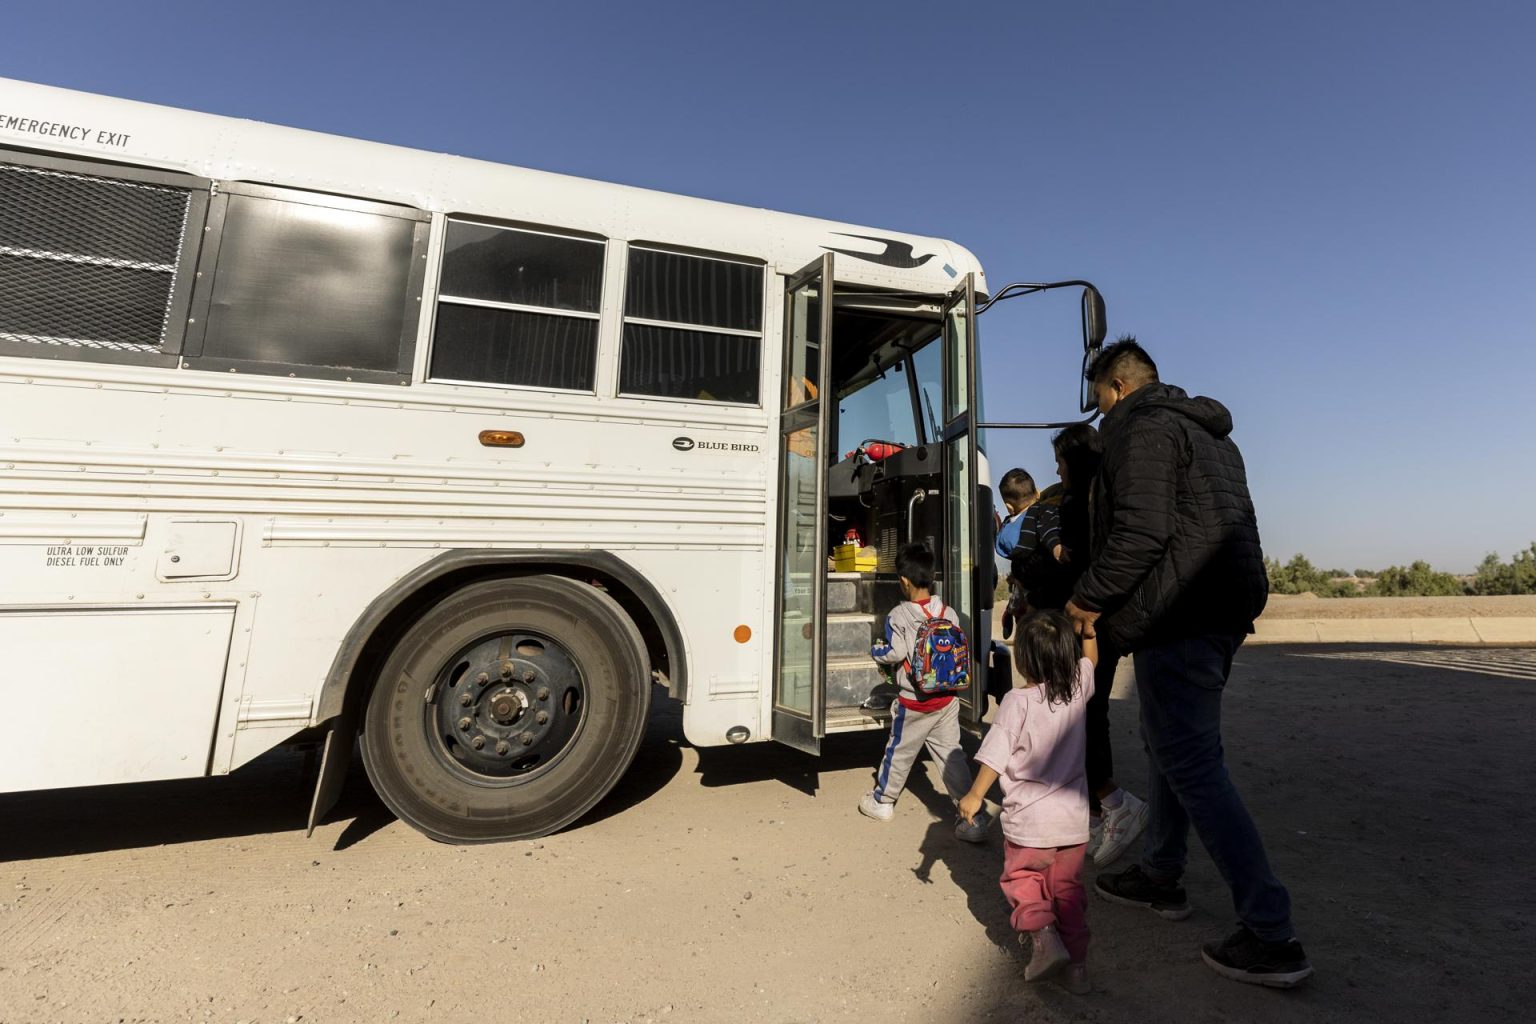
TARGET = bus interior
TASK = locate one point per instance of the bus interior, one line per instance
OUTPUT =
(885, 483)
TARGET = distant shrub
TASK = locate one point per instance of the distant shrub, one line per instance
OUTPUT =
(1417, 580)
(1517, 576)
(1300, 576)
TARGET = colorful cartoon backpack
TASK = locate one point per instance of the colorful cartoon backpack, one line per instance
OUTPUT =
(939, 665)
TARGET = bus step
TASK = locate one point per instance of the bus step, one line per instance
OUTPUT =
(849, 635)
(863, 592)
(855, 719)
(842, 592)
(852, 681)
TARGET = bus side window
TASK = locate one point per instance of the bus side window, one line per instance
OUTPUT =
(308, 285)
(518, 308)
(693, 327)
(95, 260)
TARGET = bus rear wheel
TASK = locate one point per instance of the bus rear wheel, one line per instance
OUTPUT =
(508, 710)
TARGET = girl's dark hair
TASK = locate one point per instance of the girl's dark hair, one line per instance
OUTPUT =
(1047, 653)
(1080, 449)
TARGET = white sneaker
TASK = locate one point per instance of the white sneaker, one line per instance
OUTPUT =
(1122, 826)
(1095, 837)
(872, 808)
(976, 832)
(1047, 953)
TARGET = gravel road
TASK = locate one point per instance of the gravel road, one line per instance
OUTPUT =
(739, 885)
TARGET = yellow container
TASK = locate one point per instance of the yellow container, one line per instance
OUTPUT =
(852, 558)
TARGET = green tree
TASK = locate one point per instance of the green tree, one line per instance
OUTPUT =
(1417, 580)
(1517, 576)
(1298, 576)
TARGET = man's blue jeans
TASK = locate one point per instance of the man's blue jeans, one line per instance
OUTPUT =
(1179, 684)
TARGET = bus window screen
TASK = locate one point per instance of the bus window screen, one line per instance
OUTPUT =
(87, 262)
(524, 268)
(699, 365)
(665, 294)
(309, 285)
(508, 346)
(518, 308)
(686, 289)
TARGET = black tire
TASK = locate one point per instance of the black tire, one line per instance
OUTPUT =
(419, 756)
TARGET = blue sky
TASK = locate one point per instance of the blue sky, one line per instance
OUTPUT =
(1320, 213)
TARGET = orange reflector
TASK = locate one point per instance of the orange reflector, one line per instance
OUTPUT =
(501, 438)
(743, 634)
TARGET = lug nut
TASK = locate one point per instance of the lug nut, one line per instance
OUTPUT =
(502, 748)
(543, 717)
(543, 693)
(506, 670)
(477, 742)
(465, 723)
(528, 675)
(527, 739)
(465, 699)
(482, 678)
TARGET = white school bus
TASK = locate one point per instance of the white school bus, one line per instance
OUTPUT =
(310, 439)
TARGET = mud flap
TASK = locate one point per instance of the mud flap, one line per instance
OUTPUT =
(334, 763)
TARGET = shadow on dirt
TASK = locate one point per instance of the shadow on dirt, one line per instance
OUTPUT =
(268, 795)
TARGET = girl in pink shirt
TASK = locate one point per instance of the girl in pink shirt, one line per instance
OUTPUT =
(1035, 751)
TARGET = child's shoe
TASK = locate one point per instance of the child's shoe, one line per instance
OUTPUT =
(1122, 826)
(880, 697)
(872, 808)
(1095, 837)
(1047, 953)
(1076, 980)
(976, 831)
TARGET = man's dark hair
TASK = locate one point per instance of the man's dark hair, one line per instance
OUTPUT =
(915, 562)
(1124, 359)
(1017, 486)
(1048, 654)
(1080, 449)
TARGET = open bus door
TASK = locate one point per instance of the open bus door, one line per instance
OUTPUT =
(799, 689)
(966, 560)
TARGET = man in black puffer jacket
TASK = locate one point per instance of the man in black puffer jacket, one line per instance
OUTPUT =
(1177, 578)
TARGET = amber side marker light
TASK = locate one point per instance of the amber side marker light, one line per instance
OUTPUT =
(743, 634)
(501, 438)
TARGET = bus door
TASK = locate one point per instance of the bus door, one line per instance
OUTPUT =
(966, 560)
(799, 701)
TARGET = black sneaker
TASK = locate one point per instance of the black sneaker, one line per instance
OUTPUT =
(1243, 956)
(1134, 888)
(880, 697)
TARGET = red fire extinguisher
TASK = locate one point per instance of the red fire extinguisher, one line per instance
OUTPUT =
(876, 451)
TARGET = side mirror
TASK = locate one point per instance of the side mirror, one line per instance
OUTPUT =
(1095, 327)
(1094, 323)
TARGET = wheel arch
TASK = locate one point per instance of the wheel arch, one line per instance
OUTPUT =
(361, 654)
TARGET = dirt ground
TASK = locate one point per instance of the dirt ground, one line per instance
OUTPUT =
(739, 884)
(1283, 606)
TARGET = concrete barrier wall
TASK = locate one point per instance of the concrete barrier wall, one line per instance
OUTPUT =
(1492, 631)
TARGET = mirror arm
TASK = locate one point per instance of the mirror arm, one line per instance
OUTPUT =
(1037, 426)
(1018, 288)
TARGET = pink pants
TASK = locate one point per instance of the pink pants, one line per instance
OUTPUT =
(1046, 887)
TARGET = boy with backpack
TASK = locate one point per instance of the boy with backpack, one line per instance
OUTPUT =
(925, 644)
